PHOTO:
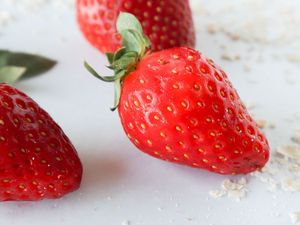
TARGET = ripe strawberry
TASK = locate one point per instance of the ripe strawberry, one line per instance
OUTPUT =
(37, 159)
(179, 106)
(168, 23)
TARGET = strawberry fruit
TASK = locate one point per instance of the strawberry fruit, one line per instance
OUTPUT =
(168, 23)
(179, 106)
(37, 159)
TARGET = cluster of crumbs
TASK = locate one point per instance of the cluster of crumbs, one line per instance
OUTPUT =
(258, 23)
(232, 188)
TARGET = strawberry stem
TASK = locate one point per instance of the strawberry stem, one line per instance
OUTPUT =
(135, 45)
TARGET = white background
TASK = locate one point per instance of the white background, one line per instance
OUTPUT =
(122, 185)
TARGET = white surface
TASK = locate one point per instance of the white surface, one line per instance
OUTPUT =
(120, 184)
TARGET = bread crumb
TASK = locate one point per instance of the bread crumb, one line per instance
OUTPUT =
(126, 222)
(296, 138)
(290, 151)
(235, 189)
(295, 217)
(261, 123)
(290, 185)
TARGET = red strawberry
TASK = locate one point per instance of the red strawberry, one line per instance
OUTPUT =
(37, 159)
(179, 106)
(168, 23)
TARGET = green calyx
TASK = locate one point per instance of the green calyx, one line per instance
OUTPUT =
(135, 45)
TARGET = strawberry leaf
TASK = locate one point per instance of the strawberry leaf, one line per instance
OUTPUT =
(10, 74)
(34, 64)
(135, 45)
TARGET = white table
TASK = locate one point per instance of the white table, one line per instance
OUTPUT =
(121, 185)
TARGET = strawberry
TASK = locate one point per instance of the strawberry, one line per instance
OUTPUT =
(168, 23)
(37, 159)
(179, 106)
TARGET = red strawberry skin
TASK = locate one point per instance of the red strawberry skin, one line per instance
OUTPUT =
(37, 159)
(180, 107)
(167, 23)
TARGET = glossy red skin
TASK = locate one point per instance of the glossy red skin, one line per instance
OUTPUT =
(167, 23)
(37, 159)
(207, 126)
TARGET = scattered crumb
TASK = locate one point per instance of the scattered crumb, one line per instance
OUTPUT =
(293, 58)
(295, 217)
(290, 185)
(212, 28)
(261, 123)
(126, 222)
(250, 105)
(247, 68)
(5, 18)
(232, 188)
(296, 138)
(228, 57)
(290, 151)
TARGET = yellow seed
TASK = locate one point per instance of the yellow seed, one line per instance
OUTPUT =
(236, 151)
(186, 156)
(213, 134)
(5, 180)
(51, 186)
(214, 167)
(168, 148)
(43, 161)
(222, 93)
(136, 141)
(181, 142)
(143, 126)
(196, 87)
(130, 125)
(175, 56)
(184, 104)
(163, 134)
(221, 157)
(30, 135)
(52, 145)
(10, 155)
(169, 109)
(195, 164)
(1, 122)
(195, 136)
(38, 149)
(58, 158)
(21, 186)
(175, 86)
(209, 120)
(218, 146)
(149, 97)
(190, 57)
(142, 81)
(178, 128)
(156, 117)
(156, 153)
(2, 138)
(205, 160)
(203, 70)
(175, 158)
(201, 150)
(43, 133)
(136, 103)
(28, 120)
(149, 142)
(174, 71)
(201, 104)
